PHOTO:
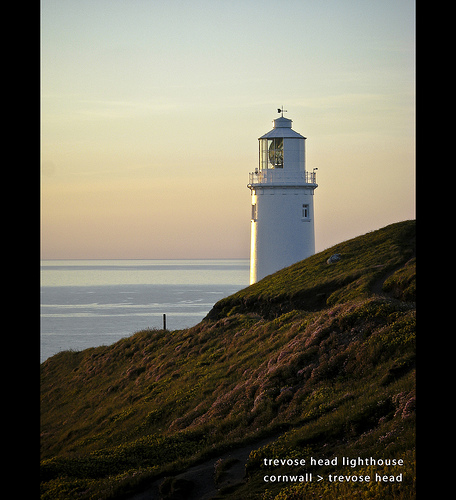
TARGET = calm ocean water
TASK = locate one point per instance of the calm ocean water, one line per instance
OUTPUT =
(87, 303)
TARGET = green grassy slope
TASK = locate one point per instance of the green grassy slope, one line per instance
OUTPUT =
(312, 284)
(319, 357)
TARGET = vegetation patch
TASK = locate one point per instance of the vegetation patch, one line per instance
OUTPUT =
(319, 357)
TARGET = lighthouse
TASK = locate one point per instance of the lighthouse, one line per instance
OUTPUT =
(282, 193)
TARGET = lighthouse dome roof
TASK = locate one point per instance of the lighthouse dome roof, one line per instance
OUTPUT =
(282, 128)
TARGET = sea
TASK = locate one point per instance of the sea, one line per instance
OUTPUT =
(89, 303)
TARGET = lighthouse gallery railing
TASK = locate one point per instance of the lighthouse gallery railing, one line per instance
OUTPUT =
(272, 176)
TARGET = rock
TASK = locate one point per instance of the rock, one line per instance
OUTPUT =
(334, 258)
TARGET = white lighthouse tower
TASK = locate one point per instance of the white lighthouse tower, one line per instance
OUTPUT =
(282, 222)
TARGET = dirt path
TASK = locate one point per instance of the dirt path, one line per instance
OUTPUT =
(198, 482)
(377, 286)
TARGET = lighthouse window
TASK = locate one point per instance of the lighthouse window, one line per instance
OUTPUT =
(254, 212)
(305, 211)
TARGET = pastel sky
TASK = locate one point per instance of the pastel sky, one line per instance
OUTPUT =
(151, 112)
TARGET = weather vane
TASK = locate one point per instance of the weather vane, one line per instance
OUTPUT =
(282, 110)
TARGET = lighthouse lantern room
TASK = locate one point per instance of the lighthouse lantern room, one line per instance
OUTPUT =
(282, 220)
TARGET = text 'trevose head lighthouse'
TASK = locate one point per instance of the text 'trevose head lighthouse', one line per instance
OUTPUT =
(282, 221)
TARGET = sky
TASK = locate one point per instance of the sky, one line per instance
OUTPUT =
(151, 113)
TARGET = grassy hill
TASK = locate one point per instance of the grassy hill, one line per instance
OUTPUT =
(316, 360)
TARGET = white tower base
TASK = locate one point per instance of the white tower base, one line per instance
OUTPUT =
(283, 231)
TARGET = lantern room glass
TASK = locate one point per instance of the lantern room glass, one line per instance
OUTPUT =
(271, 153)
